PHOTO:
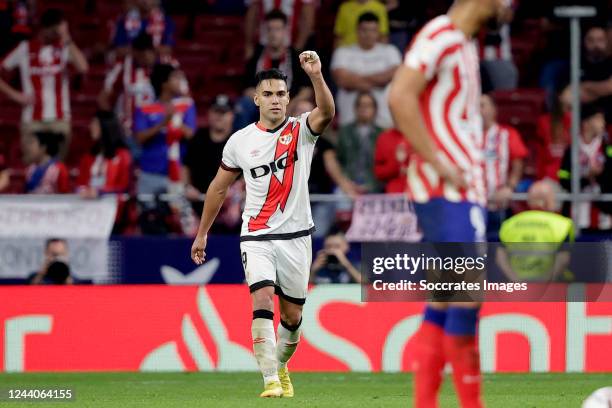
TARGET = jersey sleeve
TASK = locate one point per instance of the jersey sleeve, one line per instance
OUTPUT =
(229, 159)
(427, 54)
(305, 131)
(14, 58)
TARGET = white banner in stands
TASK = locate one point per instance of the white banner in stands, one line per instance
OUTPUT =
(27, 221)
(383, 218)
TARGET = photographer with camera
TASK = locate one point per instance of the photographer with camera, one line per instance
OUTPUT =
(55, 270)
(331, 264)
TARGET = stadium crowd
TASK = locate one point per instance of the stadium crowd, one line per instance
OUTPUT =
(138, 98)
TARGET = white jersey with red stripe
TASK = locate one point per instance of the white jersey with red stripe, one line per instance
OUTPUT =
(44, 75)
(451, 112)
(276, 166)
(503, 145)
(497, 160)
(133, 87)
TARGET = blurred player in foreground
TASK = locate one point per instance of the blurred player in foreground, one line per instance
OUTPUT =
(274, 155)
(434, 99)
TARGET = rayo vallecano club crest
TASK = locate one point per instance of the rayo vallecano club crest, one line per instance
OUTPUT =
(285, 139)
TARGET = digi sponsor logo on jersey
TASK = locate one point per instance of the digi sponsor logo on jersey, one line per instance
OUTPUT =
(279, 164)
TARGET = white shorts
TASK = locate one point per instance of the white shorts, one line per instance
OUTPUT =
(284, 264)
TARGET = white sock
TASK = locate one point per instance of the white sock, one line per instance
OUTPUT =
(264, 346)
(287, 344)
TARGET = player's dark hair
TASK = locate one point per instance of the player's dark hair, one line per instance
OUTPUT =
(111, 135)
(160, 75)
(143, 42)
(368, 17)
(367, 94)
(273, 73)
(53, 240)
(50, 141)
(51, 17)
(276, 14)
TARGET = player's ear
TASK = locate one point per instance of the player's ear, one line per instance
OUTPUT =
(256, 98)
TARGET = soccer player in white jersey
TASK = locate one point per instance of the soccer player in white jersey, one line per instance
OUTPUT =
(434, 99)
(274, 156)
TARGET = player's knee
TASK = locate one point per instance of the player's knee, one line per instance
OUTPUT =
(292, 318)
(263, 299)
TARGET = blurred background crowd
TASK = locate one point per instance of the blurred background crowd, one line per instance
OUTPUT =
(138, 97)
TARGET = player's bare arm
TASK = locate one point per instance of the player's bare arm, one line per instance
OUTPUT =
(215, 196)
(406, 87)
(323, 114)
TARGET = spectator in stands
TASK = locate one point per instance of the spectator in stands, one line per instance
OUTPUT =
(56, 268)
(367, 66)
(46, 174)
(533, 240)
(276, 53)
(553, 133)
(331, 264)
(592, 158)
(43, 64)
(325, 174)
(300, 18)
(5, 175)
(161, 128)
(346, 28)
(15, 23)
(128, 85)
(391, 160)
(107, 168)
(497, 67)
(202, 160)
(149, 17)
(605, 179)
(404, 19)
(356, 143)
(596, 85)
(505, 155)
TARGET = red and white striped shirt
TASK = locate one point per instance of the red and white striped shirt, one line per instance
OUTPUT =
(451, 112)
(133, 88)
(503, 144)
(44, 75)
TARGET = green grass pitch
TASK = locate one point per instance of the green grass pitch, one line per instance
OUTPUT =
(241, 390)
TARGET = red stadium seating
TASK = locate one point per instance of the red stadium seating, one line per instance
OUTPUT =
(520, 108)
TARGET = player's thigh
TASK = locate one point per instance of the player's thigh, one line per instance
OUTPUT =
(444, 221)
(259, 263)
(293, 260)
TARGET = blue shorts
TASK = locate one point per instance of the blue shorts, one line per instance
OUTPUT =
(444, 221)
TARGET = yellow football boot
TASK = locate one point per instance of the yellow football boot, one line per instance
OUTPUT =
(283, 375)
(272, 389)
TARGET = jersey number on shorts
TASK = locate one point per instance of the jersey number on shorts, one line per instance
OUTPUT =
(278, 190)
